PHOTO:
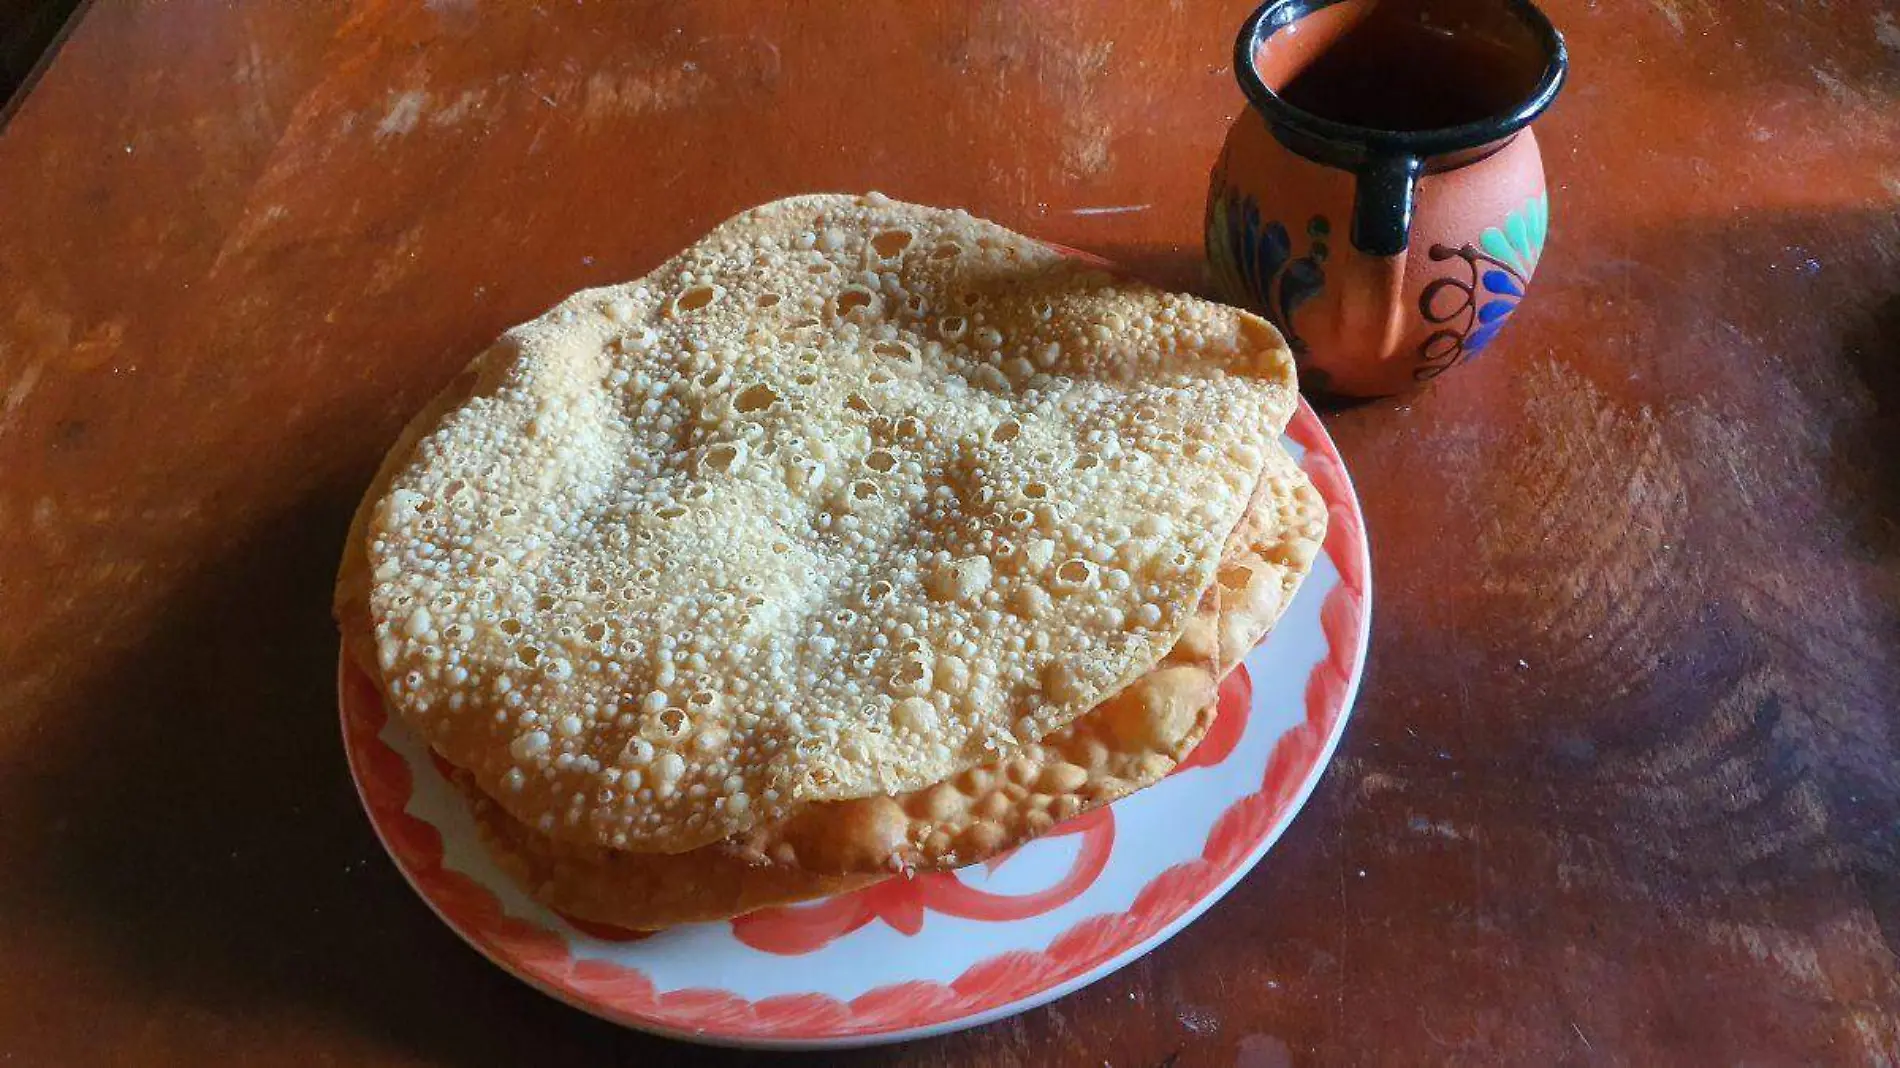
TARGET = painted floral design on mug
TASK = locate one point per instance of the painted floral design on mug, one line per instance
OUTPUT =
(1471, 310)
(1256, 260)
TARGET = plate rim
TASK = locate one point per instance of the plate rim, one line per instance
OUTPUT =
(414, 843)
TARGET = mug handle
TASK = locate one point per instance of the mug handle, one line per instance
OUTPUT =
(1382, 203)
(1381, 229)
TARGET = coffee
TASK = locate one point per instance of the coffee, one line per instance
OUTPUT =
(1401, 72)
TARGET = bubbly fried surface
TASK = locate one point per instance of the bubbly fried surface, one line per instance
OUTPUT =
(847, 498)
(1124, 744)
(1127, 743)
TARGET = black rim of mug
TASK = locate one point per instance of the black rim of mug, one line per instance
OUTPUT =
(1387, 163)
(1275, 15)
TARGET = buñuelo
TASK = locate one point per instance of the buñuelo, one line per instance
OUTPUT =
(859, 538)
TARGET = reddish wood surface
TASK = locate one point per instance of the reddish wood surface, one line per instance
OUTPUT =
(1623, 785)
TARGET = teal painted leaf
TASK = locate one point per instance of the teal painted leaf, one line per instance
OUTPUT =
(1494, 243)
(1520, 242)
(1518, 229)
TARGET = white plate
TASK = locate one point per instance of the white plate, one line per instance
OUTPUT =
(914, 957)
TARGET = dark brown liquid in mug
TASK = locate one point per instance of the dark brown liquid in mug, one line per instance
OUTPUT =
(1397, 73)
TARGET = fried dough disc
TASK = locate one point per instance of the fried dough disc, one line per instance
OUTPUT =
(1122, 746)
(848, 497)
(648, 891)
(1125, 744)
(640, 891)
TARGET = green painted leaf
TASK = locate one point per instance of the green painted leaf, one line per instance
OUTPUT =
(1495, 244)
(1518, 229)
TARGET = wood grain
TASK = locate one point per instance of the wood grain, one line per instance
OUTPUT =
(1621, 787)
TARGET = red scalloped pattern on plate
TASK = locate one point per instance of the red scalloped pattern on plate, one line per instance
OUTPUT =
(1233, 706)
(901, 903)
(625, 993)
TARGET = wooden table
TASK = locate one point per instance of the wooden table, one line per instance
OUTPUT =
(1623, 784)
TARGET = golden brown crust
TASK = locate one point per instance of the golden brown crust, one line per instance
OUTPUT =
(639, 891)
(1059, 562)
(664, 578)
(1123, 745)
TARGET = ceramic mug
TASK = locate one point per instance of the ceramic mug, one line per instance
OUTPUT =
(1382, 199)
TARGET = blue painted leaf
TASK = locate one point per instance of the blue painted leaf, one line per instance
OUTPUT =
(1492, 311)
(1271, 250)
(1275, 247)
(1228, 212)
(1499, 282)
(1219, 255)
(1302, 282)
(1246, 223)
(1540, 223)
(1479, 338)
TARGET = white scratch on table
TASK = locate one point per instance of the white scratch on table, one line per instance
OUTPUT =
(1886, 31)
(460, 108)
(404, 109)
(1111, 209)
(20, 389)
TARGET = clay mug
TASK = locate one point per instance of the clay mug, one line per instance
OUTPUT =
(1382, 199)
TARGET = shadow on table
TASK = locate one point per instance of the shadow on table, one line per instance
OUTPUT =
(216, 850)
(1183, 269)
(1868, 463)
(1684, 617)
(1866, 472)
